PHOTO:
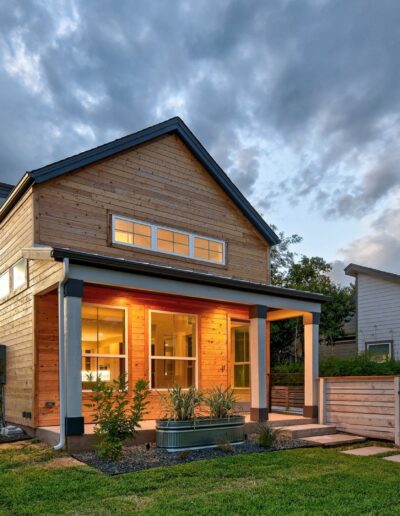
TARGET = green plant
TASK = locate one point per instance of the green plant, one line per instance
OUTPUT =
(183, 455)
(220, 402)
(225, 446)
(116, 415)
(182, 404)
(358, 365)
(267, 435)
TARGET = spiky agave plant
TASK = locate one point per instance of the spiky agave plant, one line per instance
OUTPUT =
(221, 402)
(182, 404)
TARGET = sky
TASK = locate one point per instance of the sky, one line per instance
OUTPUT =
(298, 100)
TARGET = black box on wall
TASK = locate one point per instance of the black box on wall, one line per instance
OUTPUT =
(2, 364)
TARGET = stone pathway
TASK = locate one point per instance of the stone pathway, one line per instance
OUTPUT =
(368, 451)
(334, 439)
(392, 458)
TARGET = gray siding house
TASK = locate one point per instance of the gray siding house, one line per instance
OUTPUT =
(378, 311)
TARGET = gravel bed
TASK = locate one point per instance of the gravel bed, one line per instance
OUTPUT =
(4, 439)
(137, 458)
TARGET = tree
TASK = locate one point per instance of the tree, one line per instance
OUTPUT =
(310, 274)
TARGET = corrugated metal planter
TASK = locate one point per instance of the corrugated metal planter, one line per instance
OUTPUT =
(199, 432)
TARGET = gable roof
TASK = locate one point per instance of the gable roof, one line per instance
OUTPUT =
(173, 125)
(353, 269)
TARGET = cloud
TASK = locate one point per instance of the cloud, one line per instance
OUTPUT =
(298, 101)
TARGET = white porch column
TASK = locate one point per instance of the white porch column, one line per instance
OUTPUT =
(311, 364)
(73, 291)
(258, 363)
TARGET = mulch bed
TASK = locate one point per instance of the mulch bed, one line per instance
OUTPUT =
(137, 458)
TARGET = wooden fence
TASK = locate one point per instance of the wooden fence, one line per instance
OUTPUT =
(362, 405)
(287, 396)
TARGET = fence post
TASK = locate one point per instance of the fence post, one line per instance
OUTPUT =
(396, 382)
(321, 409)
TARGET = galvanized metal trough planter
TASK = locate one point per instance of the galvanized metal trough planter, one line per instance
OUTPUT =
(175, 435)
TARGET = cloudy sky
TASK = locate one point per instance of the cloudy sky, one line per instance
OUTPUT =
(298, 100)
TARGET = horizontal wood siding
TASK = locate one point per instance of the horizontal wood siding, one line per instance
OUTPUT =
(287, 396)
(160, 182)
(214, 358)
(17, 324)
(378, 311)
(363, 406)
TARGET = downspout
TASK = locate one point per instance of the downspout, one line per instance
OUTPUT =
(61, 354)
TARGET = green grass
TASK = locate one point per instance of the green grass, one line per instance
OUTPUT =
(302, 481)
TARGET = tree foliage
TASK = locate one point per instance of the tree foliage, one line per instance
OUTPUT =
(313, 275)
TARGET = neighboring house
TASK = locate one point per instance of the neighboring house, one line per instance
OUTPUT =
(345, 346)
(138, 256)
(378, 311)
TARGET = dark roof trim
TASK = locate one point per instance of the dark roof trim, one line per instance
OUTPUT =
(120, 264)
(173, 125)
(5, 189)
(353, 270)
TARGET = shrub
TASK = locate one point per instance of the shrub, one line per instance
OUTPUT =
(267, 435)
(220, 402)
(359, 365)
(182, 404)
(116, 416)
(225, 446)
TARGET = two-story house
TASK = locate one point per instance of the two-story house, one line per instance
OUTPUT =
(138, 256)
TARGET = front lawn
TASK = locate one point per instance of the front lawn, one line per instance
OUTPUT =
(301, 481)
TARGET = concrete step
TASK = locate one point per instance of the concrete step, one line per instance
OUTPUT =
(334, 440)
(301, 431)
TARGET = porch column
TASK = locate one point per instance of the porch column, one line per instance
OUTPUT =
(258, 363)
(73, 291)
(311, 364)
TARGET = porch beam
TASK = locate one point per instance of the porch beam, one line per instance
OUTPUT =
(73, 291)
(278, 315)
(258, 363)
(311, 364)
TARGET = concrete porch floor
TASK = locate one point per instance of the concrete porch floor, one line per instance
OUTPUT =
(147, 433)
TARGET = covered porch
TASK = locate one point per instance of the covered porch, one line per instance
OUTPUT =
(174, 327)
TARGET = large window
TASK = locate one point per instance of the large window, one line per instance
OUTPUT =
(173, 350)
(13, 279)
(5, 285)
(103, 344)
(379, 351)
(19, 274)
(241, 354)
(135, 233)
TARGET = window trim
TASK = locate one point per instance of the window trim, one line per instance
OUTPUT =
(151, 357)
(379, 342)
(232, 347)
(97, 355)
(153, 239)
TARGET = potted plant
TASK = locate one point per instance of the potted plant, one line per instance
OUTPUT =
(185, 427)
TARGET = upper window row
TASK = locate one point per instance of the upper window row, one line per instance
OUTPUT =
(13, 279)
(135, 233)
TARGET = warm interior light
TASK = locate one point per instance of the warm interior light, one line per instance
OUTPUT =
(91, 376)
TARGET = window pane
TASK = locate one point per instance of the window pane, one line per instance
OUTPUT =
(216, 257)
(142, 229)
(163, 234)
(103, 330)
(179, 238)
(173, 335)
(242, 375)
(201, 253)
(111, 331)
(143, 241)
(164, 245)
(106, 368)
(124, 225)
(4, 285)
(379, 352)
(181, 249)
(19, 274)
(167, 373)
(124, 238)
(201, 243)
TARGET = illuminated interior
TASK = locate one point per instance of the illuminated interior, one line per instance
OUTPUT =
(241, 354)
(173, 350)
(103, 344)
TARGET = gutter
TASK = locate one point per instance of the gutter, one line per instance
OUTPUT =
(61, 354)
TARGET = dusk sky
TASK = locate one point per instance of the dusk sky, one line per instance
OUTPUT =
(299, 101)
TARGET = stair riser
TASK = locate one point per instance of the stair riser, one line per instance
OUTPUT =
(299, 434)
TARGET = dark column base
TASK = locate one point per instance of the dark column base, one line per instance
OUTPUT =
(310, 411)
(258, 414)
(74, 426)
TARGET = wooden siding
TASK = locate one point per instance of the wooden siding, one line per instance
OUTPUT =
(17, 323)
(378, 312)
(213, 342)
(361, 405)
(160, 182)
